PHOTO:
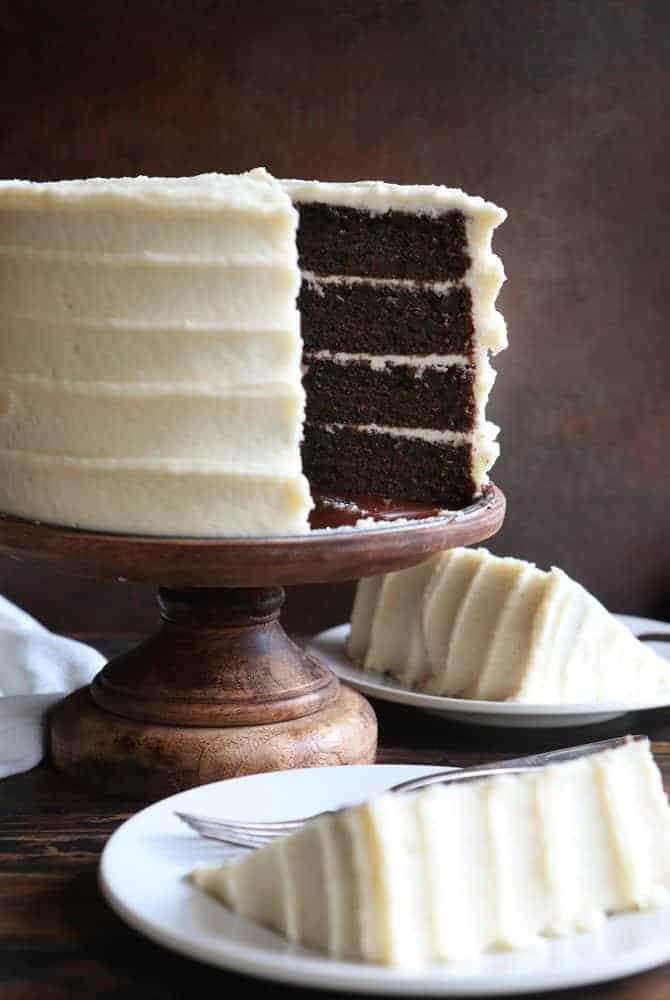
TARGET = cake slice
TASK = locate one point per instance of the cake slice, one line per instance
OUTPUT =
(467, 624)
(452, 871)
(398, 319)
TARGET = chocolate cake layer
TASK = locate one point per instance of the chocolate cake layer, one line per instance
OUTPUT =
(385, 319)
(347, 461)
(396, 395)
(337, 240)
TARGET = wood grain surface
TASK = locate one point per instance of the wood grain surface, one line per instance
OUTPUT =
(555, 110)
(144, 761)
(315, 557)
(59, 940)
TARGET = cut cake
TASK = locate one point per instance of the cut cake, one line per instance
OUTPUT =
(398, 318)
(150, 351)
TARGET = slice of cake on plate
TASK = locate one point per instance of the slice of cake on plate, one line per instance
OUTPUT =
(452, 871)
(467, 624)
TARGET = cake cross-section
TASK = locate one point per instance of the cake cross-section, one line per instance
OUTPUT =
(398, 319)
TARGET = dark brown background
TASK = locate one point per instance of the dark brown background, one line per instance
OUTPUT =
(555, 109)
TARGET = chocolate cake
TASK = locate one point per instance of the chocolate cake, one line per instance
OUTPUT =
(398, 316)
(151, 351)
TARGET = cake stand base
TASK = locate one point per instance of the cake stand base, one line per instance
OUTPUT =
(123, 757)
(219, 689)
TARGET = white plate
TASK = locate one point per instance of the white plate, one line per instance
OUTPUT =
(330, 646)
(143, 869)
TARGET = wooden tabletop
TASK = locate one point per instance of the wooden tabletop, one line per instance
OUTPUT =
(60, 940)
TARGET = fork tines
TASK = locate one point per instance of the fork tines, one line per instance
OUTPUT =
(239, 832)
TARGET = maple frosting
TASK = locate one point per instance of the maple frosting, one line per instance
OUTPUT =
(153, 376)
(452, 871)
(150, 355)
(468, 624)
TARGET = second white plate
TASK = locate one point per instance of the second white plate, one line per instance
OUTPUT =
(330, 646)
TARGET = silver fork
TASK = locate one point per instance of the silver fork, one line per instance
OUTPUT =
(247, 834)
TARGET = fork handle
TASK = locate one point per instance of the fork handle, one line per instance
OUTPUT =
(458, 775)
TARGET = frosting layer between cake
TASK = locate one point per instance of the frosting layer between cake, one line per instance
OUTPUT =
(150, 355)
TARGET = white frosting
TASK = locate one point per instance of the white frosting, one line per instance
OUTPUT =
(255, 193)
(485, 279)
(142, 288)
(42, 346)
(138, 496)
(150, 355)
(379, 361)
(379, 196)
(416, 433)
(241, 426)
(315, 281)
(472, 625)
(456, 870)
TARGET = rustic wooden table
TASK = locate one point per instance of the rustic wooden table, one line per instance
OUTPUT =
(58, 939)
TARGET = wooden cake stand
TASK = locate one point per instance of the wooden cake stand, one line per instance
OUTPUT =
(219, 689)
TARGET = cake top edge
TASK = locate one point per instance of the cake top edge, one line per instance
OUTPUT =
(631, 747)
(381, 196)
(254, 191)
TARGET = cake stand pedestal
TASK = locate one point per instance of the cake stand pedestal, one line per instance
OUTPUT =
(219, 689)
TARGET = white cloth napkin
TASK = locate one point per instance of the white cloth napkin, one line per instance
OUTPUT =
(37, 669)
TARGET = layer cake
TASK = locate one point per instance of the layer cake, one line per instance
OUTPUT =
(467, 624)
(452, 871)
(152, 374)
